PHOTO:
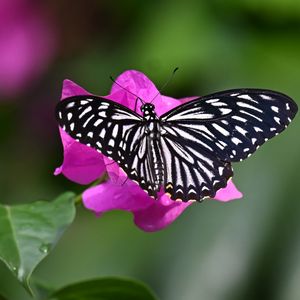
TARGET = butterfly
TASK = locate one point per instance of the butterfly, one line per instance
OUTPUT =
(187, 151)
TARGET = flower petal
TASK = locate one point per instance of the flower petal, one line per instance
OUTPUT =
(167, 103)
(159, 215)
(230, 192)
(70, 89)
(149, 214)
(28, 44)
(109, 195)
(137, 83)
(81, 164)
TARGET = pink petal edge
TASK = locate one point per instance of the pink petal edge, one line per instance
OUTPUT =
(81, 164)
(230, 192)
(149, 214)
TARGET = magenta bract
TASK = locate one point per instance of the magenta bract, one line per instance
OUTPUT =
(28, 43)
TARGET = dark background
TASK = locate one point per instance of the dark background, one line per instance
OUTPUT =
(246, 249)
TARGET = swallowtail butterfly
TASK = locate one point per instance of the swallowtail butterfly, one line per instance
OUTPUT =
(189, 150)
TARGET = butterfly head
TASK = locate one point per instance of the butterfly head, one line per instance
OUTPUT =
(148, 111)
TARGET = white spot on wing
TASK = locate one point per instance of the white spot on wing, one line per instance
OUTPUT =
(88, 109)
(236, 141)
(246, 105)
(225, 111)
(275, 108)
(212, 100)
(87, 121)
(71, 104)
(245, 96)
(216, 104)
(253, 116)
(83, 102)
(239, 119)
(115, 131)
(277, 120)
(111, 143)
(98, 122)
(241, 130)
(266, 97)
(257, 129)
(220, 129)
(221, 169)
(102, 133)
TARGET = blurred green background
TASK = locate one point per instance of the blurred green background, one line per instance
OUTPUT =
(246, 249)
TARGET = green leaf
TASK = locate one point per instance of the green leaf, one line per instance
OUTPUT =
(29, 232)
(105, 289)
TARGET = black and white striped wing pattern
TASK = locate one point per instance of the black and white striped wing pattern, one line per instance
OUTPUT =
(202, 137)
(104, 125)
(234, 123)
(113, 130)
(191, 172)
(142, 168)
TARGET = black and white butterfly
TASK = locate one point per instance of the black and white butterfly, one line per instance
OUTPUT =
(189, 150)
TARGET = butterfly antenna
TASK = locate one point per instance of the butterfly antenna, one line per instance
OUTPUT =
(166, 83)
(137, 97)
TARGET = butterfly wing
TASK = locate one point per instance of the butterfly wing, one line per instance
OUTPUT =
(113, 130)
(190, 171)
(202, 137)
(233, 124)
(104, 125)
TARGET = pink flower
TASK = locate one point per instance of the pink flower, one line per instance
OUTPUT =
(27, 44)
(84, 165)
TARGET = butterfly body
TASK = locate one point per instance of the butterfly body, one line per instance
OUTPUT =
(153, 136)
(187, 151)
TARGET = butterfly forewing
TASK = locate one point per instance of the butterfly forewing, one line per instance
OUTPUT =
(111, 129)
(104, 125)
(232, 124)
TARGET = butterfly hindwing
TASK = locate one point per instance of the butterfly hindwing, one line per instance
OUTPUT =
(232, 124)
(191, 173)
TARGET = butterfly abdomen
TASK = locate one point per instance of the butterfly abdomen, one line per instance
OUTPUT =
(155, 162)
(155, 158)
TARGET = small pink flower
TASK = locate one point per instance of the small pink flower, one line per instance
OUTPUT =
(27, 44)
(84, 165)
